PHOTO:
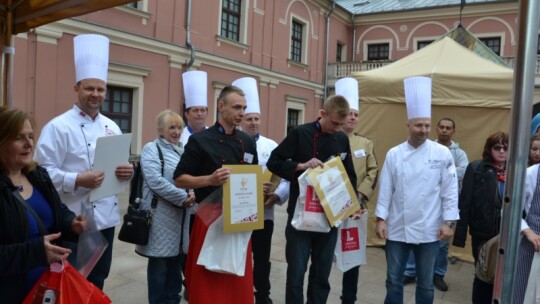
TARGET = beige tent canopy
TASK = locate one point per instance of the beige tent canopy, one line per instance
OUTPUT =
(476, 93)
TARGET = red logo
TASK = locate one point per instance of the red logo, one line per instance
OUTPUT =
(349, 239)
(312, 201)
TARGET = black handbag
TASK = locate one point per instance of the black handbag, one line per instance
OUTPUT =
(136, 226)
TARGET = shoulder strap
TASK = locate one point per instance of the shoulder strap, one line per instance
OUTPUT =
(23, 202)
(155, 197)
(161, 158)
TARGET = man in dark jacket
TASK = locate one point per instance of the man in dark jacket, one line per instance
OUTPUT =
(308, 146)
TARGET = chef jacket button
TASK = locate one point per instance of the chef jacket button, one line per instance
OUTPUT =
(241, 161)
(316, 153)
(222, 161)
(89, 144)
(221, 141)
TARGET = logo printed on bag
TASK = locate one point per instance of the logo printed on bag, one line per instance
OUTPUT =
(312, 201)
(349, 239)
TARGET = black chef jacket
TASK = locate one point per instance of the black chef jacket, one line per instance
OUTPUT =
(208, 150)
(302, 144)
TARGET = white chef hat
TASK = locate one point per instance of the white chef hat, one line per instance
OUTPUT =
(195, 92)
(418, 97)
(348, 88)
(249, 86)
(91, 54)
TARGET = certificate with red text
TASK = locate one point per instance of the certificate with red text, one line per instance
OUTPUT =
(243, 201)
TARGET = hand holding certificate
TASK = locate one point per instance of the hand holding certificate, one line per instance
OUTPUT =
(243, 199)
(333, 187)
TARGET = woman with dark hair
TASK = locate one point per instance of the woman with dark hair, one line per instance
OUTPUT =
(534, 150)
(480, 204)
(32, 217)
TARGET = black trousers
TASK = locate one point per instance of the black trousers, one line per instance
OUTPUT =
(261, 243)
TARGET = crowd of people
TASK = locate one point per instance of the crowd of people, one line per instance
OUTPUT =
(428, 193)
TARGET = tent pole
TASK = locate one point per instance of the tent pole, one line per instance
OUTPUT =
(524, 74)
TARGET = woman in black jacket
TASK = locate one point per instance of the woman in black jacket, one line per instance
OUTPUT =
(26, 249)
(480, 203)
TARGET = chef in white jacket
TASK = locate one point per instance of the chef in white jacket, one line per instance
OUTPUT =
(196, 95)
(261, 240)
(418, 198)
(67, 145)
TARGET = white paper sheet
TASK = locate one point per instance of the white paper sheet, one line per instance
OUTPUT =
(111, 151)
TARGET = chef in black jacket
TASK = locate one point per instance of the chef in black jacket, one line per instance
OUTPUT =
(308, 146)
(200, 168)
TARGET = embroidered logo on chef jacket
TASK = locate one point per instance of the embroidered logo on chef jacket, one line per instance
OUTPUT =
(248, 158)
(359, 153)
(435, 163)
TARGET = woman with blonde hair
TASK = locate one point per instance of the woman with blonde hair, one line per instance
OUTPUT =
(169, 232)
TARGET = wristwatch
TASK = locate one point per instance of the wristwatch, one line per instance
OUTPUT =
(451, 224)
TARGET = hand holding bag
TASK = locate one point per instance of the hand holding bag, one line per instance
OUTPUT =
(63, 284)
(308, 213)
(351, 243)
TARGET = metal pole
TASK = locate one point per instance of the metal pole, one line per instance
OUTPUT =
(524, 74)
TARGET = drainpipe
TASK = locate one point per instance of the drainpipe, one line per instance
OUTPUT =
(188, 36)
(326, 52)
(353, 37)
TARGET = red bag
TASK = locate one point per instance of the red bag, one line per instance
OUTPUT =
(63, 284)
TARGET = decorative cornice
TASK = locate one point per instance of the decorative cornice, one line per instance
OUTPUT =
(437, 13)
(176, 53)
(47, 36)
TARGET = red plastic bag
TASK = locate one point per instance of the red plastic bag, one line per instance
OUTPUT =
(63, 284)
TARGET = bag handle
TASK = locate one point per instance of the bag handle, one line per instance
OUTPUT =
(23, 202)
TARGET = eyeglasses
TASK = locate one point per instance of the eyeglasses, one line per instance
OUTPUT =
(499, 148)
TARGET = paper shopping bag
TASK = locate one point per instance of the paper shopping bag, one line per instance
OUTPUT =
(308, 213)
(351, 243)
(224, 252)
(63, 284)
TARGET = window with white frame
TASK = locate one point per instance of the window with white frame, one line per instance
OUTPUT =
(297, 35)
(296, 107)
(230, 19)
(494, 43)
(378, 51)
(118, 106)
(339, 52)
(125, 89)
(420, 44)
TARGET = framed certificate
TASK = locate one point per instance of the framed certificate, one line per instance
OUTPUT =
(243, 201)
(333, 187)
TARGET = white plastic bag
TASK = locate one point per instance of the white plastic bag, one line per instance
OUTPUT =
(224, 252)
(351, 243)
(92, 243)
(309, 214)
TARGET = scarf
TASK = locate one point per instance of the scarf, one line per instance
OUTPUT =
(501, 173)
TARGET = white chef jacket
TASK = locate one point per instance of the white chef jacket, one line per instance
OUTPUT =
(418, 190)
(185, 136)
(66, 148)
(265, 146)
(530, 186)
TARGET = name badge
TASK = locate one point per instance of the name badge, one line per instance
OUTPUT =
(343, 155)
(359, 153)
(248, 158)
